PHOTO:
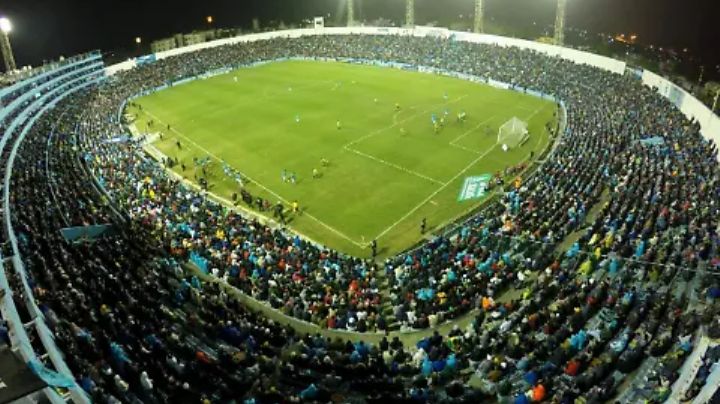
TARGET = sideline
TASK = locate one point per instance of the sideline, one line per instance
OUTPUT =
(265, 220)
(250, 179)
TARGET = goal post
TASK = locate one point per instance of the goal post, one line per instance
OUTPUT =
(513, 133)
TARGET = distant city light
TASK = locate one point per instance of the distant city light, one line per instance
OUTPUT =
(209, 19)
(138, 40)
(5, 25)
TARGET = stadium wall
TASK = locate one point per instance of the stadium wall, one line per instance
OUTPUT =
(576, 56)
(689, 105)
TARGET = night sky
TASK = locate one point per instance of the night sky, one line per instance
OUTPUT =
(46, 29)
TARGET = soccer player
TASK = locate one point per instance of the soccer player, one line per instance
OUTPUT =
(376, 100)
(284, 175)
(293, 178)
(397, 106)
(235, 79)
(295, 207)
(373, 245)
(278, 209)
(316, 173)
(423, 225)
(324, 162)
(338, 124)
(297, 118)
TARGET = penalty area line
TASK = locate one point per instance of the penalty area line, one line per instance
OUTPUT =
(437, 191)
(454, 144)
(270, 191)
(395, 166)
(396, 122)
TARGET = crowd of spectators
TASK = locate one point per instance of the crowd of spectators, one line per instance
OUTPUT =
(137, 327)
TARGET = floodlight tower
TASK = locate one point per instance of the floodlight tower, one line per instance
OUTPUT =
(410, 13)
(560, 22)
(478, 16)
(351, 13)
(5, 28)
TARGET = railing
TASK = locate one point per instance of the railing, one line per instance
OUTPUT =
(47, 95)
(56, 69)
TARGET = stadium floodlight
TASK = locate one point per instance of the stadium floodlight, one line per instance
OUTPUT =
(5, 25)
(350, 13)
(410, 13)
(5, 48)
(209, 19)
(560, 22)
(478, 16)
(138, 40)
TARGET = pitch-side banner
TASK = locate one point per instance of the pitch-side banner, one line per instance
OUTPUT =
(474, 187)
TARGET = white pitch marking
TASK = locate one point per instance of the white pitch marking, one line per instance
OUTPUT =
(349, 147)
(446, 184)
(323, 224)
(413, 210)
(453, 142)
(396, 123)
(395, 166)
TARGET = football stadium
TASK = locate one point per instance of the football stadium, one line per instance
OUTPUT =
(357, 213)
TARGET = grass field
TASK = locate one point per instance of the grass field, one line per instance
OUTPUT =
(388, 168)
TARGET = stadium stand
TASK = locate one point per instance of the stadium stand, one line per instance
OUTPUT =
(633, 293)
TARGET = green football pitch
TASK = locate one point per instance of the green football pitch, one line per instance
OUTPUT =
(388, 166)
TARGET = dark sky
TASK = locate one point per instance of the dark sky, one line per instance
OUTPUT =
(45, 29)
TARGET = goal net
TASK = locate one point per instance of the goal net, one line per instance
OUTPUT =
(513, 133)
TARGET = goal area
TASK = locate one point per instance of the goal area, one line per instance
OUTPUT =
(513, 133)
